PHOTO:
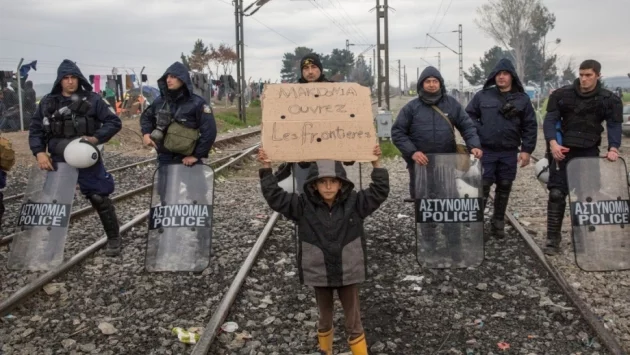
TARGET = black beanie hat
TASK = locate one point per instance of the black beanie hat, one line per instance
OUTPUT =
(311, 58)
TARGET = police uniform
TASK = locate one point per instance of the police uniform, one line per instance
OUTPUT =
(581, 116)
(188, 109)
(92, 118)
(505, 121)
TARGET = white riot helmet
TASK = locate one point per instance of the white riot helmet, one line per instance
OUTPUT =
(465, 190)
(542, 170)
(79, 153)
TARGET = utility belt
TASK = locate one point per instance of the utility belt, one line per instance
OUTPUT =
(73, 126)
(578, 139)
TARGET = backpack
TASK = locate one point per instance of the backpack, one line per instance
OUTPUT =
(7, 154)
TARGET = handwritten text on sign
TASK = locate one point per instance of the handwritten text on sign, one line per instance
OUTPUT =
(601, 212)
(306, 122)
(44, 214)
(177, 216)
(449, 210)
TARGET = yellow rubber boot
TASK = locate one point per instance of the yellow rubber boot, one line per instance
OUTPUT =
(358, 346)
(326, 341)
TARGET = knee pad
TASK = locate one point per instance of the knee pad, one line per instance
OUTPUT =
(557, 196)
(504, 186)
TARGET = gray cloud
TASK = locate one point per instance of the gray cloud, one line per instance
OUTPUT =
(101, 34)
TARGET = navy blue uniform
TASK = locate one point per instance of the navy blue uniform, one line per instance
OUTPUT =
(419, 128)
(188, 109)
(100, 122)
(502, 136)
(581, 116)
(93, 180)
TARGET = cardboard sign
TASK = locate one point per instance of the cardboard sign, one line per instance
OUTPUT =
(307, 122)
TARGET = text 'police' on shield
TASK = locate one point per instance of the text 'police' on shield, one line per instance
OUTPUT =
(601, 212)
(44, 215)
(177, 216)
(449, 210)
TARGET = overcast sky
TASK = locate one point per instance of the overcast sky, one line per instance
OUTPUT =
(101, 34)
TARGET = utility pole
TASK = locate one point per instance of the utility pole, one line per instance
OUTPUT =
(347, 45)
(399, 77)
(460, 53)
(240, 59)
(240, 51)
(439, 62)
(382, 12)
(405, 77)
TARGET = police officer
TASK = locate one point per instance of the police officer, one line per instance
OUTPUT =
(419, 129)
(89, 118)
(178, 103)
(505, 121)
(581, 108)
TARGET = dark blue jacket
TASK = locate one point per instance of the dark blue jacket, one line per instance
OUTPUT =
(419, 128)
(110, 122)
(497, 132)
(188, 109)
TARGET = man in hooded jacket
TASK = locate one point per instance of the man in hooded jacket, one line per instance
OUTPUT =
(92, 120)
(419, 129)
(505, 120)
(179, 102)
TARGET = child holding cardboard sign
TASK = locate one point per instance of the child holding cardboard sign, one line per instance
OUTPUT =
(331, 252)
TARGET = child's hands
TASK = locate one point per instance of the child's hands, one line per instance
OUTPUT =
(378, 153)
(263, 158)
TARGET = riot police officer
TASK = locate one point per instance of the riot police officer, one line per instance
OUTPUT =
(581, 108)
(505, 120)
(178, 108)
(72, 110)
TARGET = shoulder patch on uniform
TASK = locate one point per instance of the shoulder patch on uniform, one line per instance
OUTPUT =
(207, 109)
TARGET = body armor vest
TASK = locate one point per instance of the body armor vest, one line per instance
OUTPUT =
(68, 124)
(582, 118)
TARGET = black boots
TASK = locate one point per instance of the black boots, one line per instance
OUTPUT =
(501, 198)
(555, 214)
(107, 213)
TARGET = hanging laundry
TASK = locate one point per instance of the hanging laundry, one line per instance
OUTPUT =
(97, 83)
(144, 78)
(119, 88)
(111, 82)
(128, 82)
(91, 79)
(133, 80)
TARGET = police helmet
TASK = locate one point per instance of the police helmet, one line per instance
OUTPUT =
(465, 190)
(542, 170)
(80, 153)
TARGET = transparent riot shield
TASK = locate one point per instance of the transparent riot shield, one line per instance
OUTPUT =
(600, 213)
(180, 218)
(44, 219)
(448, 212)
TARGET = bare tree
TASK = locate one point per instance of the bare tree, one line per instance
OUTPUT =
(506, 21)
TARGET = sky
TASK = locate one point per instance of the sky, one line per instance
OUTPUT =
(102, 34)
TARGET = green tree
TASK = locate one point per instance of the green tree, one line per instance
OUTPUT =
(340, 61)
(185, 61)
(361, 73)
(199, 56)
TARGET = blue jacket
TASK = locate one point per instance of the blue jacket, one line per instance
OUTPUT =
(419, 128)
(188, 109)
(110, 123)
(497, 132)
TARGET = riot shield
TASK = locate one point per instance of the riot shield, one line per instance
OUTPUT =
(44, 218)
(448, 212)
(180, 218)
(600, 213)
